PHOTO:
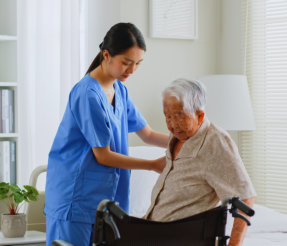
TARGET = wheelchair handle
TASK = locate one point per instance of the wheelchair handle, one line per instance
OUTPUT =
(110, 221)
(113, 207)
(116, 210)
(103, 205)
(110, 206)
(235, 214)
(238, 203)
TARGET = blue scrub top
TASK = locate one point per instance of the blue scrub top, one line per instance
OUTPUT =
(76, 182)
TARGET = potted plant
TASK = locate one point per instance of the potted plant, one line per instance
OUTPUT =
(14, 223)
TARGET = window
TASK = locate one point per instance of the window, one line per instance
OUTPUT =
(264, 151)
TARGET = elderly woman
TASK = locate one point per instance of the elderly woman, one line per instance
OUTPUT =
(202, 162)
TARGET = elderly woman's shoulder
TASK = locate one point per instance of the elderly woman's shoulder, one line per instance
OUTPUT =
(218, 137)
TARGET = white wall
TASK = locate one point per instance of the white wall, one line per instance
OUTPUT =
(230, 40)
(168, 59)
(101, 16)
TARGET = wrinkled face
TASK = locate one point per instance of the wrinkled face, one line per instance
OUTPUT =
(121, 66)
(181, 124)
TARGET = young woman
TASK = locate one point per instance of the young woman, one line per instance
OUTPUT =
(88, 161)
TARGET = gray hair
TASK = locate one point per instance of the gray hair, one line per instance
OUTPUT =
(190, 92)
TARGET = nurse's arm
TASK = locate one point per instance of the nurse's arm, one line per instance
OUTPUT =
(107, 157)
(150, 136)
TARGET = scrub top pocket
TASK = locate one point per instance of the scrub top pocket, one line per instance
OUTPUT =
(98, 186)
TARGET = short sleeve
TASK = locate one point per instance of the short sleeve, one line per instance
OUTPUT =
(91, 117)
(226, 173)
(136, 121)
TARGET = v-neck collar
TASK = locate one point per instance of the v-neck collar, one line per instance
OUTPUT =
(112, 108)
(192, 145)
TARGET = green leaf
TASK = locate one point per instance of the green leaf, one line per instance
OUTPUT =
(15, 188)
(31, 189)
(3, 184)
(4, 188)
(33, 197)
(4, 191)
(18, 197)
(3, 196)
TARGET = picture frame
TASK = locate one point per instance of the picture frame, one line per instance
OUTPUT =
(173, 19)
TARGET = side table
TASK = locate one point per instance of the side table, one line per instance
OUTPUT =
(32, 238)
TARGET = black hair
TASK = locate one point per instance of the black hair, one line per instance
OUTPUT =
(118, 39)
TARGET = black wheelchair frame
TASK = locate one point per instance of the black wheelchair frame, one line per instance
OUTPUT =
(113, 227)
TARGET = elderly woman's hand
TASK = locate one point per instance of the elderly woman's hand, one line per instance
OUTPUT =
(159, 164)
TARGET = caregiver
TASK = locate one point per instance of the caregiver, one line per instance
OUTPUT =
(88, 161)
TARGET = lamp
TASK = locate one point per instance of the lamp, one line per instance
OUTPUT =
(228, 102)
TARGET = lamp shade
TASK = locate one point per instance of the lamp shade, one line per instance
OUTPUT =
(228, 102)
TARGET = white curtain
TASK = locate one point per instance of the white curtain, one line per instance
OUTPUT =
(49, 64)
(58, 39)
(264, 151)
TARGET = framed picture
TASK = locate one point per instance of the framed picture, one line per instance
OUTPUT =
(173, 19)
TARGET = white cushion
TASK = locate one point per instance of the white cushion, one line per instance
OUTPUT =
(142, 181)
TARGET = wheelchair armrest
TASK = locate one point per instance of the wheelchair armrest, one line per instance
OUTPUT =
(61, 243)
(236, 203)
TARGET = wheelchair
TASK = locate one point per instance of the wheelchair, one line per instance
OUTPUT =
(113, 227)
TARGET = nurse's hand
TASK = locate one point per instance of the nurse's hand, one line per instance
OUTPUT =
(159, 164)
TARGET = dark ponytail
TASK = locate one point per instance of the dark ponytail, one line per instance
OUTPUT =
(96, 62)
(118, 39)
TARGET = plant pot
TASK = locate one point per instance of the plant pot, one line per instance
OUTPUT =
(13, 225)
